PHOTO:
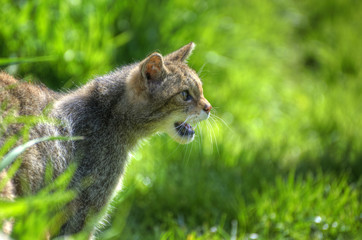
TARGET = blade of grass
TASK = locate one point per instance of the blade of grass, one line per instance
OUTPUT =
(8, 61)
(13, 154)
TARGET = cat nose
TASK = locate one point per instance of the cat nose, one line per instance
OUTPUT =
(207, 108)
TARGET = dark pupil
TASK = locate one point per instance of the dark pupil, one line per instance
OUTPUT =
(186, 95)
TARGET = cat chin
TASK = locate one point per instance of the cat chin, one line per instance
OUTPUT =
(182, 139)
(177, 133)
(180, 130)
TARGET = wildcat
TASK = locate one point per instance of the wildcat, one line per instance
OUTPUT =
(112, 113)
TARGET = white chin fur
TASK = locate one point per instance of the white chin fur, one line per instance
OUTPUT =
(203, 115)
(172, 132)
(183, 140)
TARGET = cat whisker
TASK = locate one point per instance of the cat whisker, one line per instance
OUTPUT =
(177, 148)
(187, 153)
(213, 121)
(199, 140)
(188, 158)
(200, 135)
(210, 135)
(214, 135)
(188, 118)
(219, 119)
(201, 69)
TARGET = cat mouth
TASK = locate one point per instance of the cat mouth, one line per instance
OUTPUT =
(184, 129)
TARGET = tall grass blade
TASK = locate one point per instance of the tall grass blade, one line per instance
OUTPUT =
(8, 61)
(13, 154)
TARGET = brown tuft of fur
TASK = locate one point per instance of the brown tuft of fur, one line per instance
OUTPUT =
(112, 113)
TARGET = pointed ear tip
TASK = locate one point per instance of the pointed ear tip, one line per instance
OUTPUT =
(192, 45)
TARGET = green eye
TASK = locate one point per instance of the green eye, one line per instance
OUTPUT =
(186, 95)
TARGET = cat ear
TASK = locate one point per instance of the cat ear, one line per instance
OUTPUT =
(153, 67)
(182, 54)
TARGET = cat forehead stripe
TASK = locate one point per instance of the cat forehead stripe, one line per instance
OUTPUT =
(197, 81)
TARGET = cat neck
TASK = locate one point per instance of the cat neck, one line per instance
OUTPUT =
(101, 111)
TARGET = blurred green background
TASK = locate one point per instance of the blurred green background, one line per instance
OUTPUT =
(281, 157)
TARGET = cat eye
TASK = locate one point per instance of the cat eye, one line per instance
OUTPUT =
(186, 95)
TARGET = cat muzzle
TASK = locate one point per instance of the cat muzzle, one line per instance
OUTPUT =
(184, 129)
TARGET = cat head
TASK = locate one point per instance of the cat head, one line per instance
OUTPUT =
(170, 94)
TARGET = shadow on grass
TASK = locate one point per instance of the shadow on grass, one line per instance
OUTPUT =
(206, 192)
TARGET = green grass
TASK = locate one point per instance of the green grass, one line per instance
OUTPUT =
(282, 156)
